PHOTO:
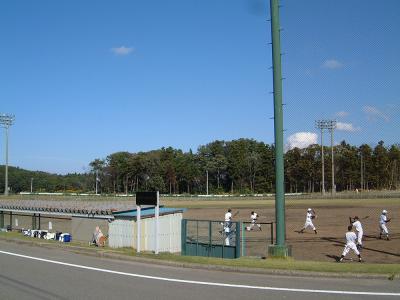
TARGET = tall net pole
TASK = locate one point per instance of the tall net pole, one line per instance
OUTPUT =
(279, 249)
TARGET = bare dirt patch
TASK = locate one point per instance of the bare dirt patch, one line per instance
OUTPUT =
(331, 224)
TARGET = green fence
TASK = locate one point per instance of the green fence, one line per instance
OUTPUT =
(256, 237)
(211, 238)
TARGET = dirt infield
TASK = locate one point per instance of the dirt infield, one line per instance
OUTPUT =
(331, 224)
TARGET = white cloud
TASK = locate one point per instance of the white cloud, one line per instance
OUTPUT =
(301, 140)
(122, 50)
(332, 64)
(374, 113)
(346, 127)
(342, 114)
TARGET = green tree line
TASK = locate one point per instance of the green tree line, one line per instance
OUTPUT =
(237, 166)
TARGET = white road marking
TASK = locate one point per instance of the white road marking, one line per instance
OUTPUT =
(200, 282)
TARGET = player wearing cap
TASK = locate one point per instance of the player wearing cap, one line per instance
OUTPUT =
(351, 239)
(383, 219)
(355, 222)
(309, 216)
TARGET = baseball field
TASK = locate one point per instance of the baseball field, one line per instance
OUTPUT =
(331, 224)
(331, 221)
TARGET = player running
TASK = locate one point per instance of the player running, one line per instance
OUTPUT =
(383, 219)
(351, 239)
(310, 215)
(355, 222)
(253, 217)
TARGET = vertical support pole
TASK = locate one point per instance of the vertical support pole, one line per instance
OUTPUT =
(209, 238)
(138, 228)
(197, 237)
(157, 215)
(272, 232)
(322, 162)
(333, 165)
(39, 223)
(6, 166)
(11, 225)
(361, 173)
(278, 131)
(1, 219)
(237, 242)
(207, 182)
(34, 221)
(183, 236)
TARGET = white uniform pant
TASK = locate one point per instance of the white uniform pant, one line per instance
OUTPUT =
(350, 246)
(384, 229)
(359, 237)
(309, 224)
(253, 223)
(227, 231)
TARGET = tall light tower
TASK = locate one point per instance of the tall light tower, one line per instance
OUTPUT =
(329, 125)
(6, 121)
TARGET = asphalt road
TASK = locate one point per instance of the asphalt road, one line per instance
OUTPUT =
(61, 274)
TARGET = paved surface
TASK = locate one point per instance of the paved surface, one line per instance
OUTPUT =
(29, 278)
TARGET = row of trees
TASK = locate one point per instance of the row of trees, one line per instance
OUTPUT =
(247, 166)
(238, 166)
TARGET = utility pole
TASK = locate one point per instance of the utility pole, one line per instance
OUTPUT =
(6, 121)
(361, 174)
(207, 182)
(97, 180)
(31, 185)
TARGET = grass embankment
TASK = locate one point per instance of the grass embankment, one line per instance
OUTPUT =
(391, 270)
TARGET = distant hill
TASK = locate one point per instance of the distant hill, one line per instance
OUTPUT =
(19, 180)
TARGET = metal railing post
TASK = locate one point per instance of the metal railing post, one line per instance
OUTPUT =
(272, 233)
(237, 248)
(183, 236)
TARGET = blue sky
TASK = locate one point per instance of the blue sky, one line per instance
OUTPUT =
(89, 78)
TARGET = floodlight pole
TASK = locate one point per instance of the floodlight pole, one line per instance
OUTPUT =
(6, 121)
(330, 125)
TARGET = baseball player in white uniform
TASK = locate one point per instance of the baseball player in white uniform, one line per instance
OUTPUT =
(357, 225)
(383, 219)
(253, 217)
(227, 226)
(351, 239)
(309, 216)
